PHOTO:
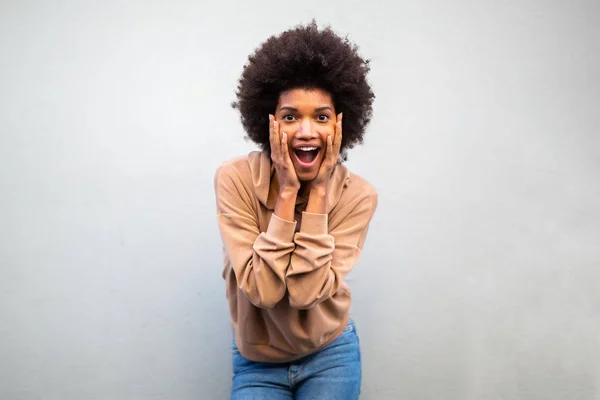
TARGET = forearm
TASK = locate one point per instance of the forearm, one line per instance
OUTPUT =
(317, 201)
(310, 277)
(258, 259)
(286, 204)
(324, 254)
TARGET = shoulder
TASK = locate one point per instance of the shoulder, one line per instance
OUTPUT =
(360, 187)
(359, 184)
(233, 167)
(240, 169)
(233, 178)
(359, 191)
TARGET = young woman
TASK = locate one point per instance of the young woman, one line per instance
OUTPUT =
(294, 220)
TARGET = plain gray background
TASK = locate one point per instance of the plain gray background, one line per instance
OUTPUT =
(480, 277)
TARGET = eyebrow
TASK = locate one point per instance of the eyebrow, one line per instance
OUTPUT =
(319, 109)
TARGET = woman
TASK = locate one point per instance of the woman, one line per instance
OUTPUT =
(293, 219)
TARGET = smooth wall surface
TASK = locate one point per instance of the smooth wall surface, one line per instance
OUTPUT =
(480, 276)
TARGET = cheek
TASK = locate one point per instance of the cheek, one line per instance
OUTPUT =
(325, 133)
(291, 153)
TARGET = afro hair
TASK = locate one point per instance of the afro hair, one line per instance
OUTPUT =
(305, 57)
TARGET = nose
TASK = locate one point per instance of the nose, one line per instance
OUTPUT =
(306, 129)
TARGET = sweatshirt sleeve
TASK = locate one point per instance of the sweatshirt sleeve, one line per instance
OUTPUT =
(323, 258)
(259, 260)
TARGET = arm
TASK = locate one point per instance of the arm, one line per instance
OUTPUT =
(259, 260)
(323, 258)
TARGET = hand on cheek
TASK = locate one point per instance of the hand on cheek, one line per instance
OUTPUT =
(332, 154)
(280, 155)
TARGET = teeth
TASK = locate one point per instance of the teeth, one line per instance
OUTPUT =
(307, 148)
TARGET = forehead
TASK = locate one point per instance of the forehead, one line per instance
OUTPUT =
(305, 97)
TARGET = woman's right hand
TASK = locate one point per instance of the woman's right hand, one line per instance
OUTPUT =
(288, 180)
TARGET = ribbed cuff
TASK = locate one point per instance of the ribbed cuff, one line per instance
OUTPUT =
(314, 224)
(281, 229)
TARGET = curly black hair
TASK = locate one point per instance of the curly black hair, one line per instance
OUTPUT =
(305, 57)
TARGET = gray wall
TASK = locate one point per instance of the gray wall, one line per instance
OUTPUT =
(481, 272)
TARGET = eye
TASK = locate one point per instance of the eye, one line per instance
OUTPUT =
(323, 118)
(288, 117)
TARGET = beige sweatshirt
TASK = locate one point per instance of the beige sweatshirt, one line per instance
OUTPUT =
(285, 280)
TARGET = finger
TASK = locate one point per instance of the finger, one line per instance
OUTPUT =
(338, 134)
(337, 140)
(284, 148)
(277, 140)
(272, 139)
(330, 156)
(276, 133)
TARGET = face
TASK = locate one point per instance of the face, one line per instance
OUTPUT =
(308, 117)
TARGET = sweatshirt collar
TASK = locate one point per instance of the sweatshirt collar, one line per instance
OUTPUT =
(266, 184)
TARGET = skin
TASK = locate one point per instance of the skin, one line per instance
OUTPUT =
(304, 117)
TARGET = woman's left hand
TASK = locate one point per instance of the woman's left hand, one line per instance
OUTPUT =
(332, 154)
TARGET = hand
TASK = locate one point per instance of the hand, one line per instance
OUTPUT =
(288, 180)
(332, 154)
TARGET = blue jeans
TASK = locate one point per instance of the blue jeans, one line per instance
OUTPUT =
(333, 373)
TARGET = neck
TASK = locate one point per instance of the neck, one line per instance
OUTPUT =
(304, 189)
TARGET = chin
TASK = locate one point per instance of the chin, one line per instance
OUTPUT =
(305, 175)
(306, 178)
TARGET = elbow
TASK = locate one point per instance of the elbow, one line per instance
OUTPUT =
(301, 298)
(265, 300)
(265, 305)
(304, 294)
(305, 302)
(264, 293)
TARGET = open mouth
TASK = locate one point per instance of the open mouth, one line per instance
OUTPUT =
(306, 156)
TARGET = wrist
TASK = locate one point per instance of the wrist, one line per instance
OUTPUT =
(318, 190)
(288, 192)
(317, 200)
(285, 205)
